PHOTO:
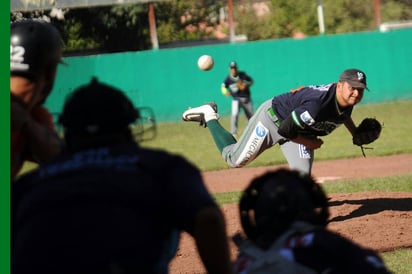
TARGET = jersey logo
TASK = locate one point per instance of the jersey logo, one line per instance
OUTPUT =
(17, 58)
(100, 158)
(321, 87)
(307, 118)
(326, 127)
(234, 88)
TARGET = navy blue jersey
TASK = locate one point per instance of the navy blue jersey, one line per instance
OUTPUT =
(122, 208)
(313, 108)
(231, 84)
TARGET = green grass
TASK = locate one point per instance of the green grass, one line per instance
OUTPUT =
(196, 144)
(401, 183)
(388, 184)
(399, 261)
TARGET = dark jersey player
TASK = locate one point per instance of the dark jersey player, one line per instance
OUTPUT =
(237, 85)
(294, 120)
(106, 205)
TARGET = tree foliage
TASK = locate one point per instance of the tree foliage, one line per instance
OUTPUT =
(125, 27)
(288, 17)
(183, 20)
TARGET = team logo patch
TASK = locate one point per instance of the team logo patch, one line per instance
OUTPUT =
(360, 76)
(260, 130)
(303, 152)
(306, 118)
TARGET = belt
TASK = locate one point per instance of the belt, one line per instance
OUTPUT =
(272, 114)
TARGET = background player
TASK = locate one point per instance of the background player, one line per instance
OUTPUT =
(35, 52)
(237, 84)
(284, 216)
(106, 205)
(294, 120)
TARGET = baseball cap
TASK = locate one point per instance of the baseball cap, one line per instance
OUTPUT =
(233, 64)
(355, 77)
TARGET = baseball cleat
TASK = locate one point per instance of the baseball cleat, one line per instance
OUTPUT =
(202, 114)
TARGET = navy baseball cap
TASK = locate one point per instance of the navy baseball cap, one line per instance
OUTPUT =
(233, 64)
(355, 77)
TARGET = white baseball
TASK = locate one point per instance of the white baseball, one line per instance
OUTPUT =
(205, 62)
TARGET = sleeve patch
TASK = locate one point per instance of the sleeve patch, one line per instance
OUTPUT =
(307, 118)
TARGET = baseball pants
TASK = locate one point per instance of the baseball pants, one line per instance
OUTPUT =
(260, 134)
(237, 105)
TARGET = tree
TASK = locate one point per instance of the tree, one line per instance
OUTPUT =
(185, 20)
(288, 17)
(125, 27)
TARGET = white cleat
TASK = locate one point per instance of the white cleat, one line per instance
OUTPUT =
(202, 114)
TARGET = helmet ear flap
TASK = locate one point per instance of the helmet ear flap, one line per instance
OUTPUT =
(320, 214)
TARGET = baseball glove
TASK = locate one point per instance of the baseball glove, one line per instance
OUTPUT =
(242, 85)
(367, 132)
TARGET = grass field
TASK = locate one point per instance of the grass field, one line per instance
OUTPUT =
(392, 184)
(196, 144)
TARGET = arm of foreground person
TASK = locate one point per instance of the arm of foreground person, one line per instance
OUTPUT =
(212, 241)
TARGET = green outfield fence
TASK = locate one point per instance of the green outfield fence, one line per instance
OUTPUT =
(169, 81)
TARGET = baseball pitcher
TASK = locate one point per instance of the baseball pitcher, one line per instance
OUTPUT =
(295, 120)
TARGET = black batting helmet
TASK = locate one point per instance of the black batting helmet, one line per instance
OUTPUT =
(35, 46)
(97, 109)
(273, 201)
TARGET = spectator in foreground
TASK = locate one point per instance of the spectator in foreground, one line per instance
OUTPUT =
(107, 205)
(35, 52)
(284, 216)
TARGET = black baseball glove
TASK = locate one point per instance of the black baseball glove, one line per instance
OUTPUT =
(367, 132)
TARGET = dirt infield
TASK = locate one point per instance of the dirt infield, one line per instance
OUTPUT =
(378, 220)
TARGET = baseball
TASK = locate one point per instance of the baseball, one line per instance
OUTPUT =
(205, 62)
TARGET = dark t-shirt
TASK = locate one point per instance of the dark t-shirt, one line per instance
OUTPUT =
(231, 84)
(313, 107)
(109, 208)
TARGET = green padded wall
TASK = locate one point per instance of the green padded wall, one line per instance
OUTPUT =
(169, 81)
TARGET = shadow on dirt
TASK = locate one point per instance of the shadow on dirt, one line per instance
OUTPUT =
(372, 206)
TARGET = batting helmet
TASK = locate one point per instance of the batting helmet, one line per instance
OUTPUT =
(35, 46)
(273, 201)
(97, 109)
